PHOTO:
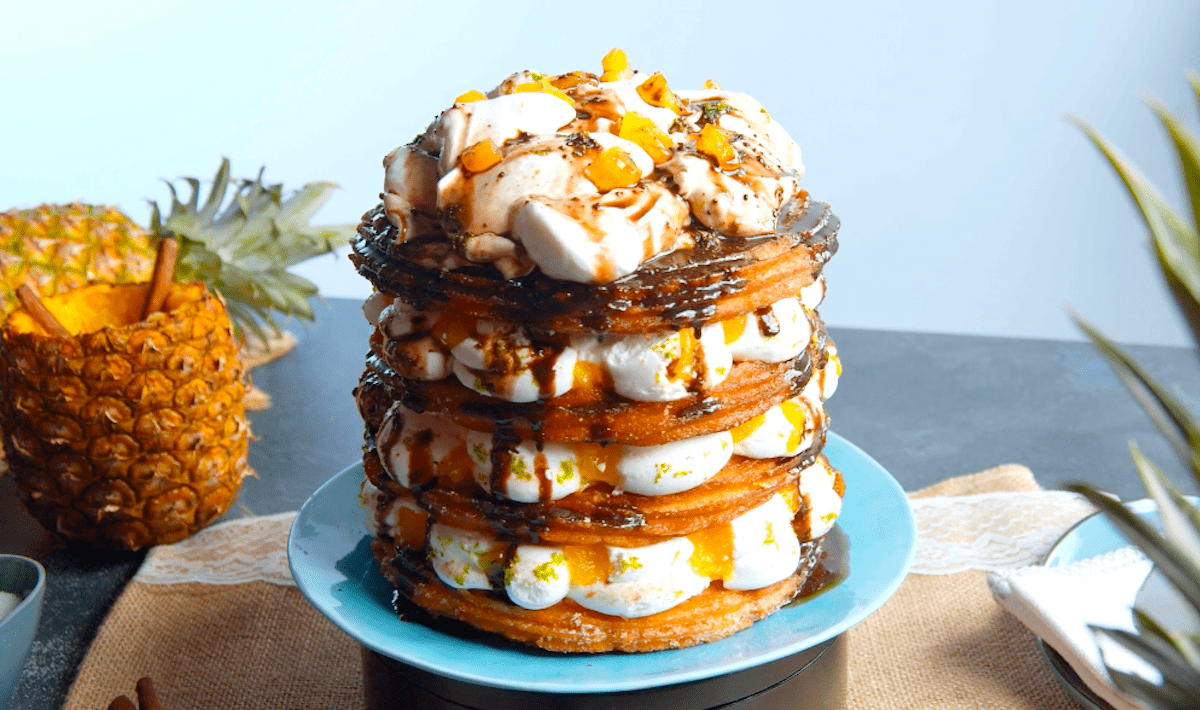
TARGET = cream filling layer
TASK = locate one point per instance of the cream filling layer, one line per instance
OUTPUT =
(413, 447)
(500, 360)
(641, 580)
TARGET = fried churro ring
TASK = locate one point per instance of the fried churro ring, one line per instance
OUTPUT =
(567, 627)
(721, 277)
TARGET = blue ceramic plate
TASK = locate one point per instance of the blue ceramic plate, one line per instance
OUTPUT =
(330, 558)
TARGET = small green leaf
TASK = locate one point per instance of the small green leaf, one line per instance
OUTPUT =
(1170, 417)
(1159, 654)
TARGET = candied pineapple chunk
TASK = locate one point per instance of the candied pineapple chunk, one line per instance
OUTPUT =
(795, 416)
(655, 92)
(544, 87)
(615, 65)
(712, 142)
(614, 168)
(681, 368)
(410, 527)
(480, 156)
(746, 428)
(734, 327)
(647, 135)
(470, 96)
(587, 564)
(712, 553)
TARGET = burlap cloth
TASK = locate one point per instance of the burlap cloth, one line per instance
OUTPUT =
(940, 642)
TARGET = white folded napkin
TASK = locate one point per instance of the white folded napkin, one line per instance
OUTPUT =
(1059, 603)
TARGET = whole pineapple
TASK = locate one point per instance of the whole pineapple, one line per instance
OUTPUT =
(1175, 549)
(58, 247)
(132, 432)
(129, 432)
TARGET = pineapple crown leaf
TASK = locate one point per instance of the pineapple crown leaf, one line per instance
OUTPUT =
(244, 237)
(1149, 694)
(1169, 416)
(1183, 572)
(1183, 644)
(1180, 520)
(1178, 675)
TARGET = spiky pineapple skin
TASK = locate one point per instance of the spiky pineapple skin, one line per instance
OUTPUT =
(59, 247)
(132, 435)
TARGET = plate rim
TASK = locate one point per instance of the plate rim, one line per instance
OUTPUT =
(905, 523)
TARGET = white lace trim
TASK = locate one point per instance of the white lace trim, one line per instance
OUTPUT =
(233, 552)
(990, 531)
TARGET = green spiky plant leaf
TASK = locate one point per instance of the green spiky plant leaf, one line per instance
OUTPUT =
(242, 240)
(1175, 548)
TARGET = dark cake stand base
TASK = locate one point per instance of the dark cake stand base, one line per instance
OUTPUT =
(814, 679)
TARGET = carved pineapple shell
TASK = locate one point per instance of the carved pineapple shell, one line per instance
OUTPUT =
(131, 434)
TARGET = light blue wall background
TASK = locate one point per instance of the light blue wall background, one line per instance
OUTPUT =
(937, 130)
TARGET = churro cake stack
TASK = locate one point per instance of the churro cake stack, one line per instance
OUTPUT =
(594, 393)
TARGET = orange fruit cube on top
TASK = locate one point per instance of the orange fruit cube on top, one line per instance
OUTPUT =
(641, 130)
(480, 156)
(614, 168)
(470, 96)
(543, 87)
(655, 92)
(712, 142)
(616, 66)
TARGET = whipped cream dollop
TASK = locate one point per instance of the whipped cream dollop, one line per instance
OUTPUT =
(585, 177)
(414, 447)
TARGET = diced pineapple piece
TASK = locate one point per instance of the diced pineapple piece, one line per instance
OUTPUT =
(543, 87)
(733, 328)
(614, 168)
(480, 156)
(712, 142)
(590, 375)
(712, 551)
(470, 96)
(616, 66)
(746, 428)
(450, 329)
(681, 368)
(647, 134)
(655, 92)
(794, 413)
(587, 564)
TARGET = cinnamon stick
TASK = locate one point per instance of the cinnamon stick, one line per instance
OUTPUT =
(37, 310)
(164, 274)
(122, 702)
(147, 697)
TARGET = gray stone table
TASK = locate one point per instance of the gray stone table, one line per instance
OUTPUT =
(925, 406)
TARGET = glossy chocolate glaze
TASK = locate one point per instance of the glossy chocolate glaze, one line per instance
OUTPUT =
(672, 290)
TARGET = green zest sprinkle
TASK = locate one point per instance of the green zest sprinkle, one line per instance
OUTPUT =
(629, 563)
(770, 539)
(545, 571)
(713, 109)
(518, 468)
(662, 470)
(829, 517)
(461, 578)
(509, 572)
(566, 471)
(480, 452)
